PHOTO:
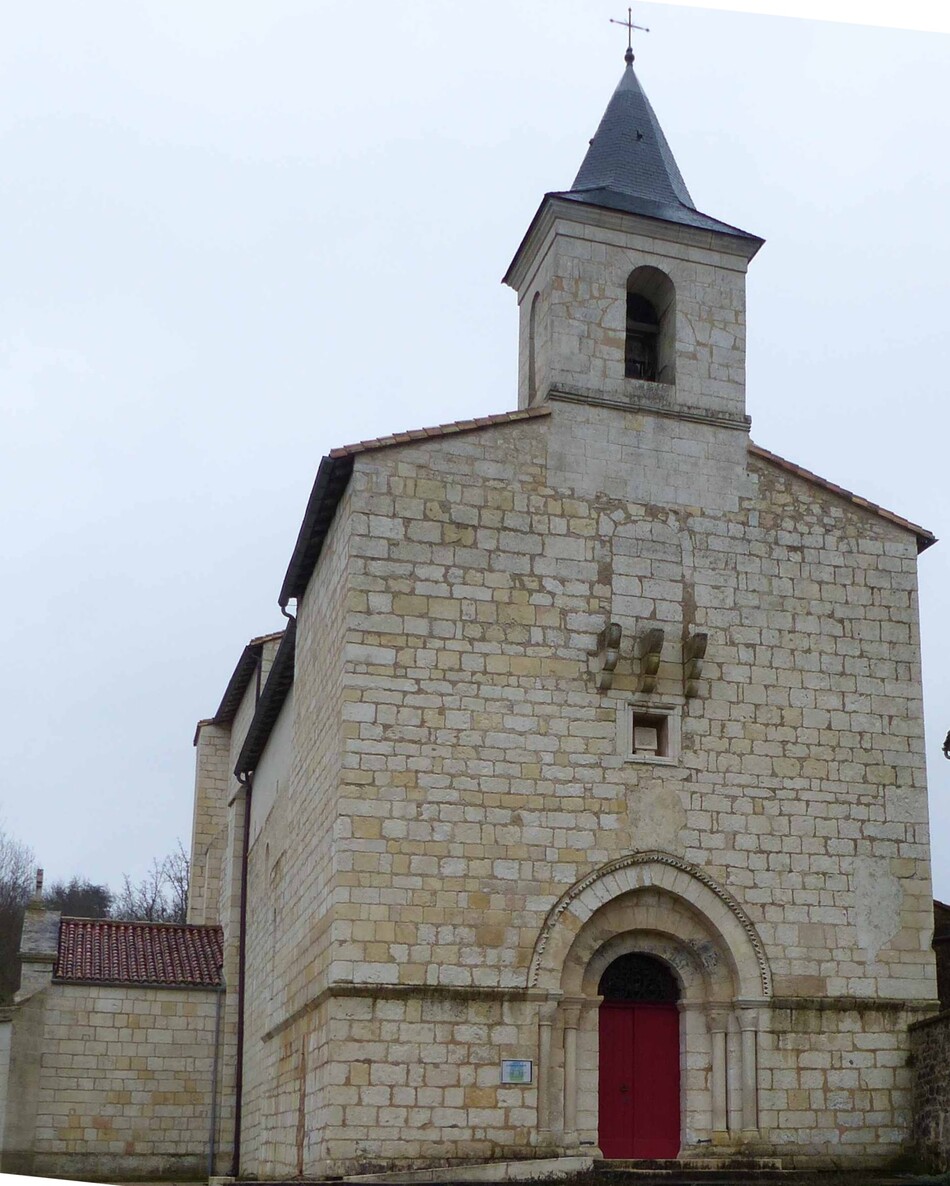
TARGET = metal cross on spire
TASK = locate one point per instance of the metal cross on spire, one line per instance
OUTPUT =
(630, 26)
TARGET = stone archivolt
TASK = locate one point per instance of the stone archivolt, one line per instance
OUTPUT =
(658, 905)
(682, 881)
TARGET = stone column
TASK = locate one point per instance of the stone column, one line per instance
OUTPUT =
(718, 1028)
(749, 1025)
(571, 1014)
(546, 1015)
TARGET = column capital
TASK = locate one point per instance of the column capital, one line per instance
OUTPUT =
(717, 1018)
(571, 1014)
(547, 1013)
(749, 1017)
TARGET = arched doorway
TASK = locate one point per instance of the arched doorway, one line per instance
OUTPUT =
(639, 1088)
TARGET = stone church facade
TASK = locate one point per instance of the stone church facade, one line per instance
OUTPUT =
(580, 808)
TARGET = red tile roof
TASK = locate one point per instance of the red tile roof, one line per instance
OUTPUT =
(440, 430)
(924, 537)
(103, 951)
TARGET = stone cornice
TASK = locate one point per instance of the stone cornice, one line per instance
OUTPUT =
(552, 209)
(633, 404)
(402, 992)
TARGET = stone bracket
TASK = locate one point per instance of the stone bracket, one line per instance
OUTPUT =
(608, 652)
(694, 652)
(650, 646)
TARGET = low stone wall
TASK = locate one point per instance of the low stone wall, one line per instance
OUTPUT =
(120, 1083)
(930, 1051)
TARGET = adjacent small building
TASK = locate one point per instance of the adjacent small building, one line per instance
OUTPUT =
(113, 1050)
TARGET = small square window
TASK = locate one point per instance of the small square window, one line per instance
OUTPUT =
(649, 733)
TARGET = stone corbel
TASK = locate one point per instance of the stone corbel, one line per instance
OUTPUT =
(650, 646)
(694, 651)
(605, 656)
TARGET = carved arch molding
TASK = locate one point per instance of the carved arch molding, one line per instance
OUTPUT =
(666, 872)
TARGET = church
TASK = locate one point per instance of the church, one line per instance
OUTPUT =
(579, 810)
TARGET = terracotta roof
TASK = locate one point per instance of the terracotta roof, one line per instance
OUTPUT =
(104, 951)
(439, 430)
(924, 537)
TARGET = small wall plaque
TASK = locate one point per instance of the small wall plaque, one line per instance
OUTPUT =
(516, 1070)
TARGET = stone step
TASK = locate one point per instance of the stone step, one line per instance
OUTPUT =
(682, 1177)
(712, 1162)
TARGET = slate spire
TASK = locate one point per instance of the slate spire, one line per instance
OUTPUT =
(629, 153)
(629, 165)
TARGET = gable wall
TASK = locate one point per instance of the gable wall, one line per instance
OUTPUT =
(483, 774)
(491, 756)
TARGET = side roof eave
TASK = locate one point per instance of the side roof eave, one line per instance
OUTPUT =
(334, 474)
(237, 685)
(279, 681)
(924, 537)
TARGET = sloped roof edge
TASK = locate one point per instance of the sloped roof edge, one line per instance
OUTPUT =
(332, 478)
(280, 679)
(237, 685)
(924, 537)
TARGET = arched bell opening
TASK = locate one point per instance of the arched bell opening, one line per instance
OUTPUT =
(639, 1096)
(650, 331)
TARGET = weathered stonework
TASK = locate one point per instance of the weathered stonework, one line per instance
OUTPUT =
(930, 1060)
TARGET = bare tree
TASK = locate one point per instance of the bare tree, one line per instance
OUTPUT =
(177, 868)
(161, 895)
(17, 868)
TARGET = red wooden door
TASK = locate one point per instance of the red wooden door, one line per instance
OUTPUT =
(639, 1080)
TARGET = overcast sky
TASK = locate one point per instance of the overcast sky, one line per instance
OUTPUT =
(236, 235)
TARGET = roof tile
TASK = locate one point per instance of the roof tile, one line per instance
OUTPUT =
(106, 951)
(439, 430)
(924, 537)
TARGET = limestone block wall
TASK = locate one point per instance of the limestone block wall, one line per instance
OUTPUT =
(930, 1049)
(291, 904)
(268, 886)
(414, 1076)
(124, 1083)
(22, 1087)
(836, 1080)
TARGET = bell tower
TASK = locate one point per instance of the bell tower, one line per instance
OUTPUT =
(629, 295)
